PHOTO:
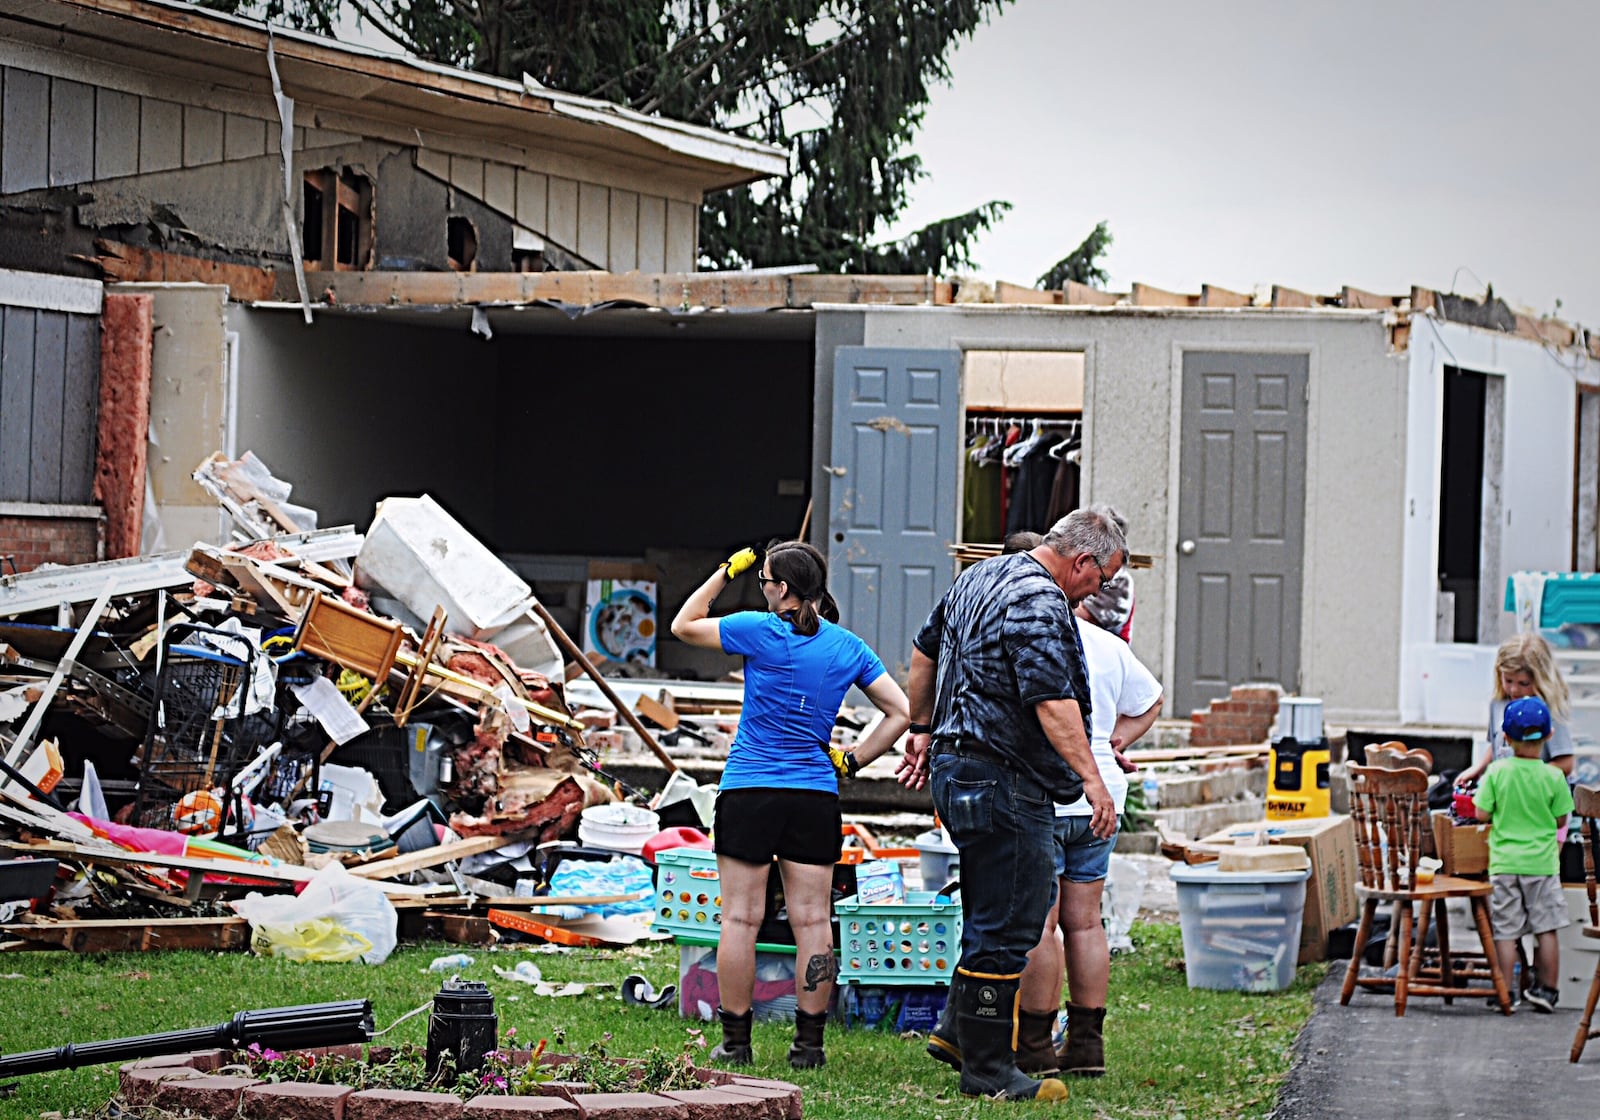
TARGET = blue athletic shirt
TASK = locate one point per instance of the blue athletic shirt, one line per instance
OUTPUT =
(793, 686)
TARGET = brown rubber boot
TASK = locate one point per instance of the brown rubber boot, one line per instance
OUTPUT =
(734, 1049)
(1083, 1054)
(1036, 1052)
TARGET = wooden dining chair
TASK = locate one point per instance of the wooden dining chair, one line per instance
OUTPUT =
(1586, 804)
(1395, 755)
(1390, 812)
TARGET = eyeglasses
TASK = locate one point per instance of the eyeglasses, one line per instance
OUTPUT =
(762, 580)
(1105, 580)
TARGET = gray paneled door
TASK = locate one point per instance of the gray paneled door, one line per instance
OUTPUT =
(892, 492)
(1241, 522)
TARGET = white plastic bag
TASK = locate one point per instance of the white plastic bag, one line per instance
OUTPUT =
(337, 917)
(1119, 905)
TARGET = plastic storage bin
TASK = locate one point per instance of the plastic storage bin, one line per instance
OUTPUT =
(1241, 930)
(773, 998)
(938, 861)
(688, 894)
(917, 941)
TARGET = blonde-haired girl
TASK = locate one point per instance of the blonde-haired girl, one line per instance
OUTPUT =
(1525, 666)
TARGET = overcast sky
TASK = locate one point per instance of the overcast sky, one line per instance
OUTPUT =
(1314, 145)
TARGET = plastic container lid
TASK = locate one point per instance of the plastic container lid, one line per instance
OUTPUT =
(934, 840)
(1205, 873)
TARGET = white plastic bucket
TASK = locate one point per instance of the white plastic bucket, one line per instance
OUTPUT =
(619, 827)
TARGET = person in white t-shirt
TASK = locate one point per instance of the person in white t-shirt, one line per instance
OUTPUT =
(1125, 699)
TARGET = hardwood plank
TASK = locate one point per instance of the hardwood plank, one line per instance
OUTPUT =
(1006, 292)
(1077, 294)
(122, 935)
(1367, 301)
(428, 857)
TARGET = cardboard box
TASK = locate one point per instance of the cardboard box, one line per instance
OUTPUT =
(1330, 842)
(1462, 848)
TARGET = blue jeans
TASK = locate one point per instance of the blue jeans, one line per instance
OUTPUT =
(1002, 824)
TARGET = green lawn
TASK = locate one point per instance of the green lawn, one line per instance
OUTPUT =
(1171, 1052)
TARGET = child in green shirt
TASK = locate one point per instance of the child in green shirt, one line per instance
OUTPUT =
(1525, 802)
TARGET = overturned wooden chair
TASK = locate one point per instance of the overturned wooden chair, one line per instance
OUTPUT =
(1390, 811)
(1586, 804)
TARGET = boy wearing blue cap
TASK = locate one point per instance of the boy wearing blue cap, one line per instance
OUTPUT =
(1525, 800)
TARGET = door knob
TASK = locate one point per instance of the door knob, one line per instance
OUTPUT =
(1187, 548)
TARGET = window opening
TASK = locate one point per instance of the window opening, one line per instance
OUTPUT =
(462, 243)
(337, 225)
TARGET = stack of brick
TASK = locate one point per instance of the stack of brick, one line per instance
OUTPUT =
(33, 533)
(1245, 716)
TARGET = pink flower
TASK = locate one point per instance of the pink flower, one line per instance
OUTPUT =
(270, 1054)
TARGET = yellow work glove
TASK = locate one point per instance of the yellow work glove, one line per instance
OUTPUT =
(845, 762)
(739, 562)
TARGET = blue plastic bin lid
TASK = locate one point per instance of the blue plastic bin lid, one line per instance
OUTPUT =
(1210, 873)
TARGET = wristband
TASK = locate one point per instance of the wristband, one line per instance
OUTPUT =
(921, 729)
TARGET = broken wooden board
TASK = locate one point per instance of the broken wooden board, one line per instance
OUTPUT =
(427, 857)
(124, 935)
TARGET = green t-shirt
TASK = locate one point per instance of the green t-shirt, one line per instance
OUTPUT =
(1523, 798)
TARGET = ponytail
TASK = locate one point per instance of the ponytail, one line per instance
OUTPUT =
(805, 570)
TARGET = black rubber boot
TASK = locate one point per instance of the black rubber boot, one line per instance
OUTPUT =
(734, 1049)
(986, 1009)
(1083, 1053)
(944, 1041)
(1036, 1050)
(806, 1053)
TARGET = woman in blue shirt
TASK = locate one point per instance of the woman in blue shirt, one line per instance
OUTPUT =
(779, 793)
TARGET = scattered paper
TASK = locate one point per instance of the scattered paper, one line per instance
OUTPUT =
(527, 973)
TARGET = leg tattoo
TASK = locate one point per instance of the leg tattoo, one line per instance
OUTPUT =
(820, 969)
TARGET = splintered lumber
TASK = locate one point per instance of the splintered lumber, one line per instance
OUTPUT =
(284, 874)
(428, 857)
(476, 691)
(570, 648)
(123, 935)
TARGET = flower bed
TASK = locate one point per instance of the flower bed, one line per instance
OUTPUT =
(385, 1083)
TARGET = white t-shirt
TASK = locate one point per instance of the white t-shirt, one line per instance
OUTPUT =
(1118, 686)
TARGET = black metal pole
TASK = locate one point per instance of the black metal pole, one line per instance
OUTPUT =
(281, 1028)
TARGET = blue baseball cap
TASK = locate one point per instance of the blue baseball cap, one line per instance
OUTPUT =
(1526, 720)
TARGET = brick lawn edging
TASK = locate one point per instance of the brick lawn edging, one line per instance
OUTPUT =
(190, 1082)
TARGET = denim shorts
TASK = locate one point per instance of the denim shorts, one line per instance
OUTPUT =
(1080, 855)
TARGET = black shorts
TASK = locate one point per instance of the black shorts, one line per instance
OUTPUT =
(799, 825)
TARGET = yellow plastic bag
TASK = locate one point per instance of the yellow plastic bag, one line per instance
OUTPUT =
(318, 939)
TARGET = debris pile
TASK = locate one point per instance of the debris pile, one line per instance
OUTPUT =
(230, 719)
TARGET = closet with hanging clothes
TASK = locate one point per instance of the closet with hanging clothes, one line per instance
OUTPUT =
(1021, 472)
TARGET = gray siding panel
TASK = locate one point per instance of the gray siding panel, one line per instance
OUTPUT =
(562, 223)
(624, 255)
(71, 132)
(681, 235)
(652, 234)
(202, 136)
(243, 137)
(16, 400)
(594, 215)
(49, 365)
(116, 134)
(26, 140)
(81, 408)
(160, 135)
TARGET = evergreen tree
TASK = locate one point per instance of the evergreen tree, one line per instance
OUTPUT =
(842, 84)
(1082, 264)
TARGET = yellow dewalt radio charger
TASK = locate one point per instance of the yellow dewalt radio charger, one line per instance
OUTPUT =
(1298, 785)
